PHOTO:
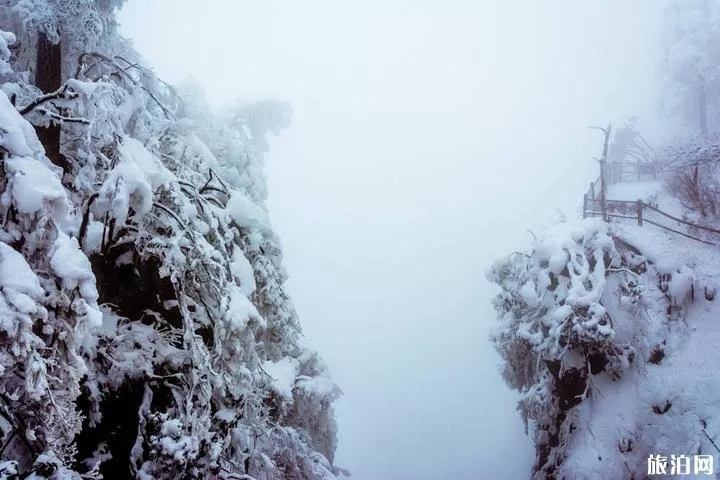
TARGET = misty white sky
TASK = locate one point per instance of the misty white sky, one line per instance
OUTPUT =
(428, 136)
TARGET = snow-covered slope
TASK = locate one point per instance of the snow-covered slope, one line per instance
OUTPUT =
(631, 191)
(611, 334)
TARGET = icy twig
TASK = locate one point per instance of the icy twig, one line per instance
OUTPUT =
(59, 93)
(62, 118)
(168, 114)
(622, 270)
(187, 230)
(57, 409)
(711, 440)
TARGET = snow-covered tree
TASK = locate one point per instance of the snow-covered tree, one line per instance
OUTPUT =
(147, 332)
(628, 145)
(692, 62)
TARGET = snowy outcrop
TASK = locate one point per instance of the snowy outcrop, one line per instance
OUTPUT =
(147, 332)
(609, 333)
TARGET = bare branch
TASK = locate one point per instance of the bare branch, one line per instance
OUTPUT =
(711, 440)
(190, 233)
(605, 130)
(124, 73)
(61, 118)
(130, 64)
(60, 93)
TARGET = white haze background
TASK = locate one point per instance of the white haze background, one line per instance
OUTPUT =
(428, 136)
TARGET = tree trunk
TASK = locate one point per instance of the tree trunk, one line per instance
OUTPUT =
(48, 78)
(702, 111)
(603, 182)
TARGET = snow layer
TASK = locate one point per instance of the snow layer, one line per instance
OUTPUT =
(17, 136)
(631, 191)
(133, 182)
(36, 187)
(152, 169)
(240, 311)
(71, 265)
(6, 38)
(283, 373)
(247, 214)
(34, 184)
(241, 268)
(16, 274)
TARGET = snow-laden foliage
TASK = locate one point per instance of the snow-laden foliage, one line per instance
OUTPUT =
(691, 68)
(581, 311)
(146, 329)
(693, 178)
(87, 20)
(628, 145)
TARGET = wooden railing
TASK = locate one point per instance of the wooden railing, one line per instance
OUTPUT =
(643, 213)
(616, 172)
(639, 211)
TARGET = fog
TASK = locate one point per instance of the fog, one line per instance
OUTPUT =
(428, 137)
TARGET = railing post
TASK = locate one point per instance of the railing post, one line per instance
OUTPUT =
(640, 212)
(585, 202)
